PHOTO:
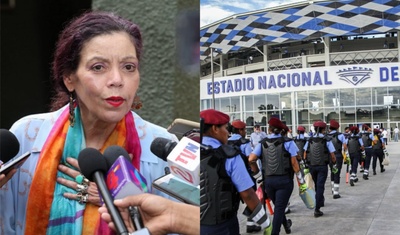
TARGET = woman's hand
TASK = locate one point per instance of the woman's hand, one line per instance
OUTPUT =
(92, 192)
(4, 178)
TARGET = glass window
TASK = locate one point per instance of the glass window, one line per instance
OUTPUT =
(206, 104)
(235, 104)
(259, 102)
(248, 103)
(224, 105)
(380, 114)
(348, 115)
(301, 97)
(286, 100)
(347, 97)
(273, 101)
(363, 114)
(363, 96)
(286, 116)
(331, 98)
(316, 115)
(378, 94)
(316, 99)
(302, 117)
(331, 113)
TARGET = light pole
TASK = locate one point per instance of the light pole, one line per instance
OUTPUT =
(212, 77)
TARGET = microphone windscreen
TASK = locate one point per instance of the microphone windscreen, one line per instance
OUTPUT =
(91, 160)
(9, 145)
(112, 153)
(162, 147)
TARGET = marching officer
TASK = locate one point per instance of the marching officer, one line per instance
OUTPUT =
(367, 137)
(355, 148)
(238, 140)
(224, 180)
(319, 151)
(378, 144)
(339, 142)
(279, 164)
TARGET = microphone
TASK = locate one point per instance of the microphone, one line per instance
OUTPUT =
(183, 158)
(123, 179)
(184, 164)
(9, 145)
(93, 166)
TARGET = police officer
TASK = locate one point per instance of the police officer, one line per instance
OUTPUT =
(224, 180)
(319, 151)
(339, 142)
(278, 178)
(355, 147)
(367, 137)
(378, 144)
(238, 139)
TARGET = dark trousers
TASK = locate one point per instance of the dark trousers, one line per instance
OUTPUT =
(319, 175)
(339, 163)
(230, 227)
(368, 156)
(279, 189)
(354, 158)
(377, 154)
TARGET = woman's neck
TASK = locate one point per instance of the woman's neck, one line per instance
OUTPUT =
(96, 133)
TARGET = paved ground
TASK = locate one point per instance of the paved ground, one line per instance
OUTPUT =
(370, 207)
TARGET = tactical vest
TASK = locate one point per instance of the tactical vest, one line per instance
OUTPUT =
(336, 142)
(366, 140)
(378, 145)
(353, 145)
(300, 145)
(275, 158)
(236, 144)
(317, 151)
(219, 199)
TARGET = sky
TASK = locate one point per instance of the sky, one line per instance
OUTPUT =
(214, 10)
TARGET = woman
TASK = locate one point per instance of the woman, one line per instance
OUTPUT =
(279, 162)
(96, 77)
(378, 144)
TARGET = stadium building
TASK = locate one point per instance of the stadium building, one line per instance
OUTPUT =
(313, 60)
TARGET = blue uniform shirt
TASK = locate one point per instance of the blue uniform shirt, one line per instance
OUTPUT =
(329, 144)
(245, 148)
(234, 167)
(290, 146)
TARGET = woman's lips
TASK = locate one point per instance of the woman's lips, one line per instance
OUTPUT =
(115, 101)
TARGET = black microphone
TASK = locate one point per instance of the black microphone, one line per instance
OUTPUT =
(9, 145)
(113, 152)
(162, 147)
(93, 166)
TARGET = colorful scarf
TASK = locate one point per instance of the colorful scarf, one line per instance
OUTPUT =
(48, 211)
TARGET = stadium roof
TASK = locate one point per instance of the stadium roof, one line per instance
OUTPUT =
(301, 21)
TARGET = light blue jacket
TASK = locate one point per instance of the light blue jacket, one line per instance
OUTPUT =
(32, 132)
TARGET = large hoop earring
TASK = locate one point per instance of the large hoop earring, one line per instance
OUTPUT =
(71, 110)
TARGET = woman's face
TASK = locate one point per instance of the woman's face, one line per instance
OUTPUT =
(221, 133)
(107, 78)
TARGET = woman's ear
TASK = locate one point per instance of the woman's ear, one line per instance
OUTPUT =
(68, 83)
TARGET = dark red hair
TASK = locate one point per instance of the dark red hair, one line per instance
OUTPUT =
(72, 39)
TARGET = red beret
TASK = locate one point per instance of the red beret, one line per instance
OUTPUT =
(333, 123)
(286, 128)
(301, 128)
(377, 131)
(320, 124)
(365, 127)
(354, 128)
(275, 122)
(238, 124)
(214, 117)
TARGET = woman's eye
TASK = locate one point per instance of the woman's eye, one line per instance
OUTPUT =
(130, 67)
(97, 67)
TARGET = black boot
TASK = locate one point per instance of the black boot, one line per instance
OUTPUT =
(287, 226)
(318, 213)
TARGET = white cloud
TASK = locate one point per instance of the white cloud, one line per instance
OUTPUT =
(210, 14)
